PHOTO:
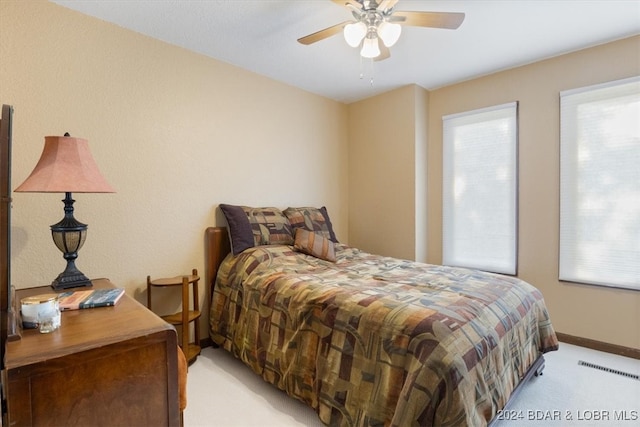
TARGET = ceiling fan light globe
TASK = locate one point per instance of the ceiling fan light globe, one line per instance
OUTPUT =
(389, 33)
(354, 33)
(370, 48)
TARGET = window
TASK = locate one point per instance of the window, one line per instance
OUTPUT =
(600, 184)
(480, 189)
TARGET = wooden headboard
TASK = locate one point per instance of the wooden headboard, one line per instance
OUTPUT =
(216, 248)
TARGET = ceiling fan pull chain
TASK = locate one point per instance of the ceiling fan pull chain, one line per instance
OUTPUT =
(372, 73)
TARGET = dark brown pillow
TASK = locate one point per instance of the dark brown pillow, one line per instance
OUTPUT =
(314, 244)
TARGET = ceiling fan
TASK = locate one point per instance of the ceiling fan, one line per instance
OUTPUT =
(377, 27)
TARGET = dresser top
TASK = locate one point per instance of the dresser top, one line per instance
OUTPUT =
(84, 329)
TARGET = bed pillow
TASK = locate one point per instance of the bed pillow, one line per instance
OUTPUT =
(249, 227)
(314, 244)
(312, 219)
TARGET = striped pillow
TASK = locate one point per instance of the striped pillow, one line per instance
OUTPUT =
(314, 244)
(312, 219)
(249, 227)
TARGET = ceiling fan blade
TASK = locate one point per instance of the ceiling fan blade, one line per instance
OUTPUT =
(386, 4)
(449, 20)
(384, 52)
(354, 3)
(323, 34)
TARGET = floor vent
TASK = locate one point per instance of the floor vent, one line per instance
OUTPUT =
(613, 371)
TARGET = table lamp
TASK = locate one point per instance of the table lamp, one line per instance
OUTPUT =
(66, 166)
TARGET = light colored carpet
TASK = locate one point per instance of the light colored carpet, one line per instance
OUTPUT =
(221, 391)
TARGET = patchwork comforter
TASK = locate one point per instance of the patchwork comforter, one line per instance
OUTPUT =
(372, 340)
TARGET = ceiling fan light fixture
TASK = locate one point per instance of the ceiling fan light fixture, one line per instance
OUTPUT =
(376, 26)
(354, 33)
(389, 33)
(370, 48)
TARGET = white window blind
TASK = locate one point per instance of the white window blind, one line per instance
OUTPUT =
(480, 189)
(600, 184)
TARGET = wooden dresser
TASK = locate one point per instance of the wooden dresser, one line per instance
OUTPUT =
(103, 367)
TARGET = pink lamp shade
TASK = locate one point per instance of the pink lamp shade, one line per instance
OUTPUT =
(66, 165)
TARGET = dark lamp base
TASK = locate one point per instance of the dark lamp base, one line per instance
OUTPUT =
(66, 281)
(69, 235)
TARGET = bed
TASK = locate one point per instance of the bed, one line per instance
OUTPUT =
(372, 340)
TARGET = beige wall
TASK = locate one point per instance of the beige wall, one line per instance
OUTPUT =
(381, 168)
(387, 167)
(174, 132)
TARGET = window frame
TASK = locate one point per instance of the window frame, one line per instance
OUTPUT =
(564, 99)
(512, 268)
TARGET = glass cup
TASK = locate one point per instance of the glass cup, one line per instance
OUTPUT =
(49, 318)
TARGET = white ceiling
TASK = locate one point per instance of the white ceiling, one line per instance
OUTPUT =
(260, 35)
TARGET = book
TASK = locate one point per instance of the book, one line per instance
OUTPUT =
(76, 300)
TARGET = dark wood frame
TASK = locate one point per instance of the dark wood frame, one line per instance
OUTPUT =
(217, 247)
(7, 322)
